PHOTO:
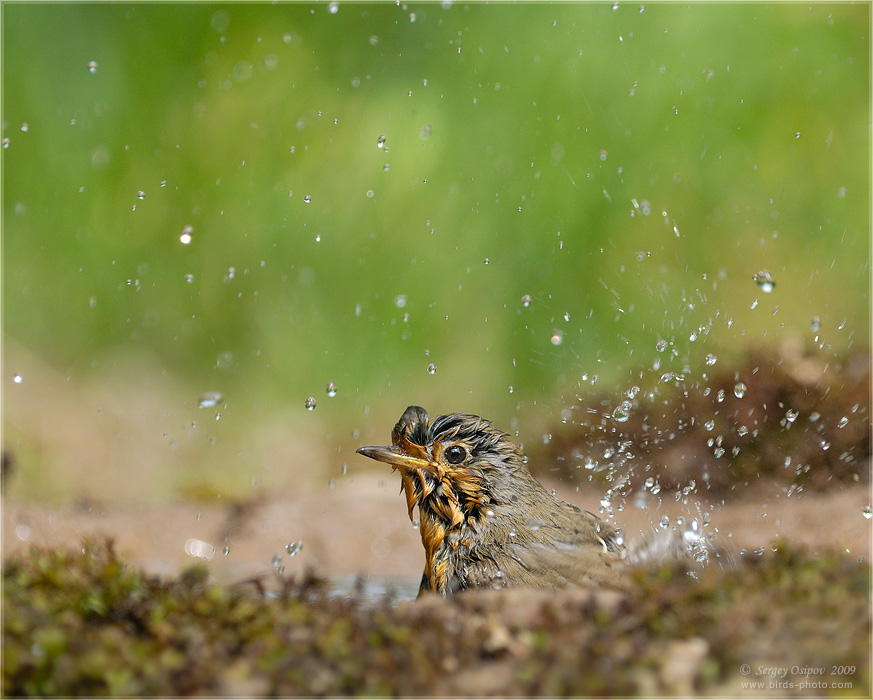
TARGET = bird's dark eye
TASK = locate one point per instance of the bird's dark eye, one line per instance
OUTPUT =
(455, 454)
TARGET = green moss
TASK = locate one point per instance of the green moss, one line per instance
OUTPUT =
(83, 622)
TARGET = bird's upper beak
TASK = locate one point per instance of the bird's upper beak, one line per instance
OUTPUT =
(393, 456)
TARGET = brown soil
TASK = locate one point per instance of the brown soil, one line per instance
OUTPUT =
(360, 527)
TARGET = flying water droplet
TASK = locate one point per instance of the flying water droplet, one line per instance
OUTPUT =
(92, 66)
(765, 281)
(867, 511)
(661, 345)
(557, 338)
(740, 390)
(380, 142)
(526, 300)
(310, 403)
(293, 548)
(622, 412)
(815, 324)
(199, 549)
(209, 399)
(331, 389)
(843, 422)
(498, 580)
(17, 378)
(400, 301)
(185, 236)
(711, 359)
(431, 368)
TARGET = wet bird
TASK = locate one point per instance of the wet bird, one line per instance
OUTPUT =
(484, 520)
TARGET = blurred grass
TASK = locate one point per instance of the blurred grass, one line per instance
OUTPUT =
(518, 140)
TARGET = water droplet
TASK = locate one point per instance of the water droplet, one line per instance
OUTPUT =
(431, 368)
(17, 378)
(867, 511)
(333, 7)
(664, 522)
(307, 199)
(185, 236)
(92, 66)
(740, 390)
(498, 580)
(189, 278)
(380, 142)
(791, 415)
(709, 425)
(140, 195)
(621, 414)
(711, 359)
(293, 548)
(400, 301)
(526, 300)
(209, 399)
(557, 338)
(331, 389)
(765, 281)
(199, 549)
(661, 345)
(310, 403)
(815, 324)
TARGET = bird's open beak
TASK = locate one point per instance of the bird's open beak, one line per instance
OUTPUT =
(394, 457)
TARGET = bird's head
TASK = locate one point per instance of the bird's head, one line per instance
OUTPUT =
(453, 467)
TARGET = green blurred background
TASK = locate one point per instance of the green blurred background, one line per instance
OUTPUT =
(372, 189)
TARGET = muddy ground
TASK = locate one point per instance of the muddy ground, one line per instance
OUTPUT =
(360, 527)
